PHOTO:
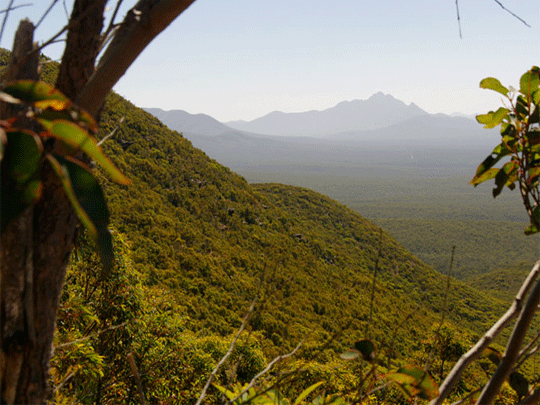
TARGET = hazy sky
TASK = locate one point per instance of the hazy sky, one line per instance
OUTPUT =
(241, 59)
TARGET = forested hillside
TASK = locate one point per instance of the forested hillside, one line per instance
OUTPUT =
(196, 244)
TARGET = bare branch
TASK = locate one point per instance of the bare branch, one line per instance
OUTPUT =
(142, 24)
(8, 9)
(112, 132)
(64, 381)
(510, 356)
(475, 352)
(229, 352)
(46, 12)
(88, 337)
(137, 376)
(511, 13)
(532, 399)
(528, 351)
(264, 372)
(113, 17)
(464, 399)
(71, 24)
(458, 18)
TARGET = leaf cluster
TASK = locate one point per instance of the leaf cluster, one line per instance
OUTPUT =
(520, 143)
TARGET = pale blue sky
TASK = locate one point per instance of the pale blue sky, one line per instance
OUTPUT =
(241, 59)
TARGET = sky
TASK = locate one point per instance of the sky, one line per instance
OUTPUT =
(242, 59)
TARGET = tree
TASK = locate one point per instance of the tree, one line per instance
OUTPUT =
(35, 247)
(520, 143)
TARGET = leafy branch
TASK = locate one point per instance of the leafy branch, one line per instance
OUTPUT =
(520, 143)
(25, 153)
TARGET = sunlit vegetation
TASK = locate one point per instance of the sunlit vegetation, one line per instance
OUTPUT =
(195, 244)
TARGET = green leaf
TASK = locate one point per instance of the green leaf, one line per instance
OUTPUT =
(306, 392)
(88, 201)
(80, 118)
(522, 107)
(491, 83)
(498, 153)
(528, 83)
(20, 180)
(504, 176)
(531, 230)
(534, 173)
(492, 119)
(519, 384)
(508, 130)
(367, 348)
(23, 155)
(77, 137)
(487, 175)
(414, 381)
(536, 97)
(31, 91)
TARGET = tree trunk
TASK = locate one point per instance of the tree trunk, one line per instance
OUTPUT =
(35, 247)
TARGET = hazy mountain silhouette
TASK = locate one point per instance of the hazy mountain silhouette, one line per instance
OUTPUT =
(379, 111)
(185, 122)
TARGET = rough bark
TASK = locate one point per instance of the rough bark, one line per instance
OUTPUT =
(35, 248)
(143, 23)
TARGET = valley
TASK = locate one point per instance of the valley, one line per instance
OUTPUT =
(410, 178)
(213, 225)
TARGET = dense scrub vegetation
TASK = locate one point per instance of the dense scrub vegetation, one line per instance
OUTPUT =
(195, 244)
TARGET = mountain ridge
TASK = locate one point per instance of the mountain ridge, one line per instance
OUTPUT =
(377, 111)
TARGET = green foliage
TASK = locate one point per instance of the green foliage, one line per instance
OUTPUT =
(520, 143)
(24, 153)
(202, 244)
(414, 382)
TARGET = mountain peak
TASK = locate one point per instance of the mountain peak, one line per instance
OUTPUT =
(381, 96)
(380, 110)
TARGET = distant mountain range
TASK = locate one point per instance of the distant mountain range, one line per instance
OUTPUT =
(185, 122)
(379, 111)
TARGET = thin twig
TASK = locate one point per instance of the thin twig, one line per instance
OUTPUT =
(71, 24)
(65, 8)
(64, 381)
(15, 7)
(465, 360)
(113, 17)
(8, 9)
(46, 12)
(511, 13)
(532, 399)
(112, 132)
(527, 352)
(264, 372)
(511, 353)
(229, 352)
(462, 400)
(458, 19)
(137, 377)
(89, 336)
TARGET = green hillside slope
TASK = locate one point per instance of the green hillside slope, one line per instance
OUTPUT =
(205, 233)
(209, 242)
